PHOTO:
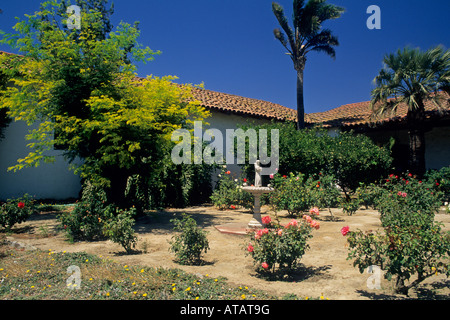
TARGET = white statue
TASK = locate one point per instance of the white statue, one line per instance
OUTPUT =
(258, 170)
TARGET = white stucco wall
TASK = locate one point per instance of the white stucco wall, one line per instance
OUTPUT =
(47, 181)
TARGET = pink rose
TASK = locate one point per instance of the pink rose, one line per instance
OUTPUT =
(307, 218)
(271, 176)
(345, 230)
(315, 224)
(265, 265)
(292, 223)
(314, 210)
(280, 232)
(250, 248)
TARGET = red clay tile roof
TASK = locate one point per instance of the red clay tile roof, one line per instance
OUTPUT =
(243, 106)
(359, 114)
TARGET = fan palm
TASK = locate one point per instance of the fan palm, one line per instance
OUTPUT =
(413, 77)
(307, 35)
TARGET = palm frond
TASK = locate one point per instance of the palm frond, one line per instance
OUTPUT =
(280, 36)
(298, 12)
(282, 20)
(411, 77)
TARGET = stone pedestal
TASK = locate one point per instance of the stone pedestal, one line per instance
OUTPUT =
(257, 192)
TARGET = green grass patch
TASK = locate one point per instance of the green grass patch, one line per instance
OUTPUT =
(43, 275)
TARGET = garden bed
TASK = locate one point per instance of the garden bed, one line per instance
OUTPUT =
(323, 271)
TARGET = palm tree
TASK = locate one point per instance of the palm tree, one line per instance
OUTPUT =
(307, 35)
(413, 77)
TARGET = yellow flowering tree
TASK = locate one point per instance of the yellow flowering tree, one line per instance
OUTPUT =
(80, 87)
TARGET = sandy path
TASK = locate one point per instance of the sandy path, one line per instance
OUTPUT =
(324, 268)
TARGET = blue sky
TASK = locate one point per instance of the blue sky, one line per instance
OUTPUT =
(229, 45)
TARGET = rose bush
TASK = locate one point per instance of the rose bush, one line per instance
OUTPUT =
(15, 211)
(190, 241)
(297, 193)
(412, 243)
(277, 246)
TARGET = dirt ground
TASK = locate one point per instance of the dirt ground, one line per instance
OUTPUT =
(324, 269)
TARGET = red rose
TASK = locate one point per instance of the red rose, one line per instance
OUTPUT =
(264, 265)
(284, 176)
(250, 248)
(266, 220)
(232, 207)
(245, 180)
(437, 183)
(21, 205)
(345, 230)
(228, 172)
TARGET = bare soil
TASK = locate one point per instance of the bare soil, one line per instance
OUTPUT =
(324, 269)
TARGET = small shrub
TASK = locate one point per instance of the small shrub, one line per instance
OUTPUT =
(280, 247)
(94, 219)
(191, 241)
(228, 192)
(16, 211)
(119, 228)
(350, 205)
(85, 221)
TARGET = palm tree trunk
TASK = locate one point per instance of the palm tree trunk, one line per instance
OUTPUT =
(300, 102)
(417, 141)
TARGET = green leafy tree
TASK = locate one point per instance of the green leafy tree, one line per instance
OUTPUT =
(350, 158)
(307, 35)
(81, 88)
(413, 77)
